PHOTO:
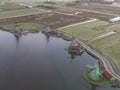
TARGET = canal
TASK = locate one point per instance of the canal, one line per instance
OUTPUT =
(39, 62)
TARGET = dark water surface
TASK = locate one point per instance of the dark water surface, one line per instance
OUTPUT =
(37, 62)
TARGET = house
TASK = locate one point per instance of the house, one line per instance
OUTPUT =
(107, 74)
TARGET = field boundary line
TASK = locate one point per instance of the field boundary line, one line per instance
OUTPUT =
(88, 21)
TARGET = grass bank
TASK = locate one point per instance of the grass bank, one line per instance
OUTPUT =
(102, 81)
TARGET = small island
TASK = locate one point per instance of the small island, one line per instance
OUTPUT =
(101, 81)
(96, 76)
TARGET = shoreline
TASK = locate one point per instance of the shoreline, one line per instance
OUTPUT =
(101, 82)
(91, 51)
(106, 62)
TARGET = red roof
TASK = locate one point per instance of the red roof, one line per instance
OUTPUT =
(76, 47)
(107, 74)
(54, 31)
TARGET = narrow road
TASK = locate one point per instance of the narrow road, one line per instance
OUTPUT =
(108, 64)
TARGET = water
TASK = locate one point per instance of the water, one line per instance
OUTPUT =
(37, 62)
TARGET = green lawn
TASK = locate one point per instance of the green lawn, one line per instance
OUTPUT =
(85, 31)
(6, 14)
(102, 42)
(26, 26)
(113, 52)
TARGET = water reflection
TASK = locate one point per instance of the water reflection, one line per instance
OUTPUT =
(72, 56)
(47, 38)
(93, 87)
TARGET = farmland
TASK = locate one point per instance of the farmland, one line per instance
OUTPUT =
(71, 10)
(113, 52)
(115, 27)
(53, 20)
(102, 42)
(96, 15)
(58, 8)
(97, 34)
(100, 8)
(85, 31)
(22, 12)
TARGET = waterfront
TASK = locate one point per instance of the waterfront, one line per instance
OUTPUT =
(37, 62)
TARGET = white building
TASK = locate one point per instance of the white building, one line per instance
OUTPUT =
(116, 19)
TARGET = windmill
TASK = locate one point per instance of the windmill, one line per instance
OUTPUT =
(94, 71)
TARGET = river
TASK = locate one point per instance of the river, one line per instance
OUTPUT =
(39, 62)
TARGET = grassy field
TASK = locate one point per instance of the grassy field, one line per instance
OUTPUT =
(6, 14)
(113, 52)
(115, 27)
(25, 26)
(102, 42)
(85, 31)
